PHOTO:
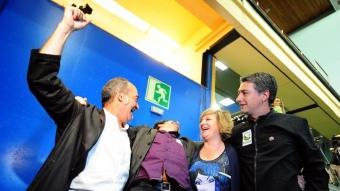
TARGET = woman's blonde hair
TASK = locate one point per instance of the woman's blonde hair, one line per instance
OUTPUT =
(224, 121)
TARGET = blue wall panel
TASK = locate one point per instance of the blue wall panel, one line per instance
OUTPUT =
(91, 57)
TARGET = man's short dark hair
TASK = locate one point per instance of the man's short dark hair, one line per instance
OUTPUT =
(156, 125)
(113, 87)
(263, 81)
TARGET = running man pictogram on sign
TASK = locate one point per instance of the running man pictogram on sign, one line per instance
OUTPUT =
(158, 92)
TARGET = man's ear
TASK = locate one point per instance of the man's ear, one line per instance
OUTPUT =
(265, 95)
(122, 98)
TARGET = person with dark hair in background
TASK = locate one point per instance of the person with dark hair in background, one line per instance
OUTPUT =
(92, 148)
(272, 147)
(215, 164)
(160, 158)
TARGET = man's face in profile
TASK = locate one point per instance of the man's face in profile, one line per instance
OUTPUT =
(130, 102)
(249, 99)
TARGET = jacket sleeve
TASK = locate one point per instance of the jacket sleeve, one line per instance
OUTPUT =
(314, 172)
(190, 148)
(234, 169)
(132, 133)
(56, 99)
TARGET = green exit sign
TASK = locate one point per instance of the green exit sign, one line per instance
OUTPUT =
(158, 92)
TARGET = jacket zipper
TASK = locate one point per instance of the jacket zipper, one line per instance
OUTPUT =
(255, 158)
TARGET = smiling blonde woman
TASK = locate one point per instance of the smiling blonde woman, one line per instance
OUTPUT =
(215, 164)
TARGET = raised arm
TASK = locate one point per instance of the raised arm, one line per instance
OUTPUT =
(74, 19)
(57, 100)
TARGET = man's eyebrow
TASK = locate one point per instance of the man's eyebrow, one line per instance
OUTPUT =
(242, 91)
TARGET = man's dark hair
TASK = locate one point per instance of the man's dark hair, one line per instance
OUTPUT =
(113, 87)
(156, 125)
(263, 81)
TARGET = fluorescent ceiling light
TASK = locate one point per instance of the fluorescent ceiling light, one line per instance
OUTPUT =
(152, 41)
(226, 102)
(157, 35)
(124, 14)
(151, 32)
(220, 65)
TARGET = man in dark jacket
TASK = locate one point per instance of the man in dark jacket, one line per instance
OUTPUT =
(92, 149)
(274, 148)
(160, 158)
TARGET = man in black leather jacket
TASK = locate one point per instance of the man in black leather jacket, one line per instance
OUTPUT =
(86, 135)
(274, 148)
